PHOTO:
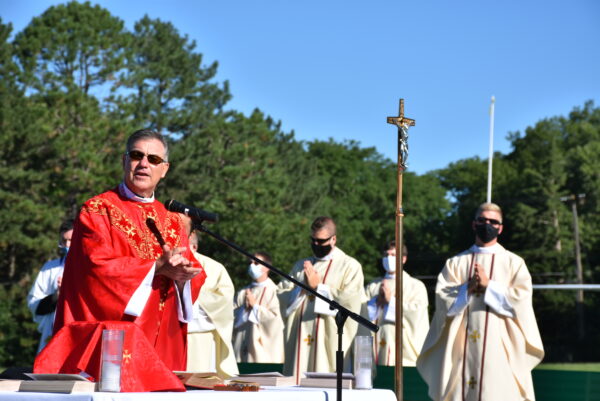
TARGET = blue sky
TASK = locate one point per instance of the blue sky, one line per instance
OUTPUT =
(338, 68)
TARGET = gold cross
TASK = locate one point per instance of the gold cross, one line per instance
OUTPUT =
(382, 343)
(161, 305)
(401, 120)
(474, 336)
(472, 382)
(403, 123)
(126, 356)
(309, 340)
(129, 231)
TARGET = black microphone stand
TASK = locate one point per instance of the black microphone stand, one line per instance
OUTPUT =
(340, 318)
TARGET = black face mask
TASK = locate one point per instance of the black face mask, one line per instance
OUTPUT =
(486, 232)
(320, 250)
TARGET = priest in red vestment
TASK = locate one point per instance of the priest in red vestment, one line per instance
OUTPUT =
(129, 258)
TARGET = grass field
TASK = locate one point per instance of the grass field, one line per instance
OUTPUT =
(581, 367)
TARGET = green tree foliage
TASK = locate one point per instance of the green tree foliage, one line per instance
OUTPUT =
(73, 45)
(233, 166)
(168, 87)
(19, 230)
(428, 223)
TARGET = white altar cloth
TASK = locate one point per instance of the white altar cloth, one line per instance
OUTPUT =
(265, 394)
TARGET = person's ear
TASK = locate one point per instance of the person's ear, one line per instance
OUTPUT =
(165, 169)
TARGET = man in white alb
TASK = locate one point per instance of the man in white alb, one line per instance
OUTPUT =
(209, 333)
(381, 308)
(311, 332)
(484, 340)
(43, 294)
(258, 327)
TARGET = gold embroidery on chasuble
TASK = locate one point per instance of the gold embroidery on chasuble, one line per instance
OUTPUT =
(126, 356)
(309, 340)
(472, 382)
(141, 239)
(474, 336)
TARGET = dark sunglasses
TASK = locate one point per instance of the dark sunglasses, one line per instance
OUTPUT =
(137, 156)
(319, 240)
(483, 220)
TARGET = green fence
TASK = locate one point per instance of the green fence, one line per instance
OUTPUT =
(550, 385)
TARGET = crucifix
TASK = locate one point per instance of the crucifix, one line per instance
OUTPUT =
(403, 123)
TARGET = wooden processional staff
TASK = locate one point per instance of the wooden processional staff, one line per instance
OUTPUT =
(403, 124)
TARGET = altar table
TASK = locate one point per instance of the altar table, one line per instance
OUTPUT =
(265, 394)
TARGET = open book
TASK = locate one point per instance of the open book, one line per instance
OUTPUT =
(205, 380)
(266, 379)
(326, 380)
(10, 385)
(57, 383)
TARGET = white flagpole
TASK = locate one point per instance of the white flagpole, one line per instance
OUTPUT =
(491, 155)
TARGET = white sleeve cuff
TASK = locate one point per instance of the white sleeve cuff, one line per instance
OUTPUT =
(138, 300)
(296, 298)
(389, 314)
(253, 315)
(461, 301)
(185, 307)
(373, 308)
(241, 317)
(495, 298)
(322, 307)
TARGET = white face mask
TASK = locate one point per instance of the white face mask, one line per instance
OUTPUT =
(389, 263)
(255, 271)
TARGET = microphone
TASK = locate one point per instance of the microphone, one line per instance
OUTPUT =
(195, 214)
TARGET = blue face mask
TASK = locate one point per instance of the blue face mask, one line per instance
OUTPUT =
(389, 263)
(255, 271)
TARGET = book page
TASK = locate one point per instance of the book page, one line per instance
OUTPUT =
(56, 376)
(261, 374)
(327, 375)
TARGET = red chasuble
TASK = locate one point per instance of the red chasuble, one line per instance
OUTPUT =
(112, 251)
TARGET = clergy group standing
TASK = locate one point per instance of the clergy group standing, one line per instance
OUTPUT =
(132, 260)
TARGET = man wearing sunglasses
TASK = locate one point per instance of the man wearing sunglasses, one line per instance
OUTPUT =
(129, 258)
(484, 340)
(311, 333)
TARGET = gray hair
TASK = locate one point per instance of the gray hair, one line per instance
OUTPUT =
(147, 134)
